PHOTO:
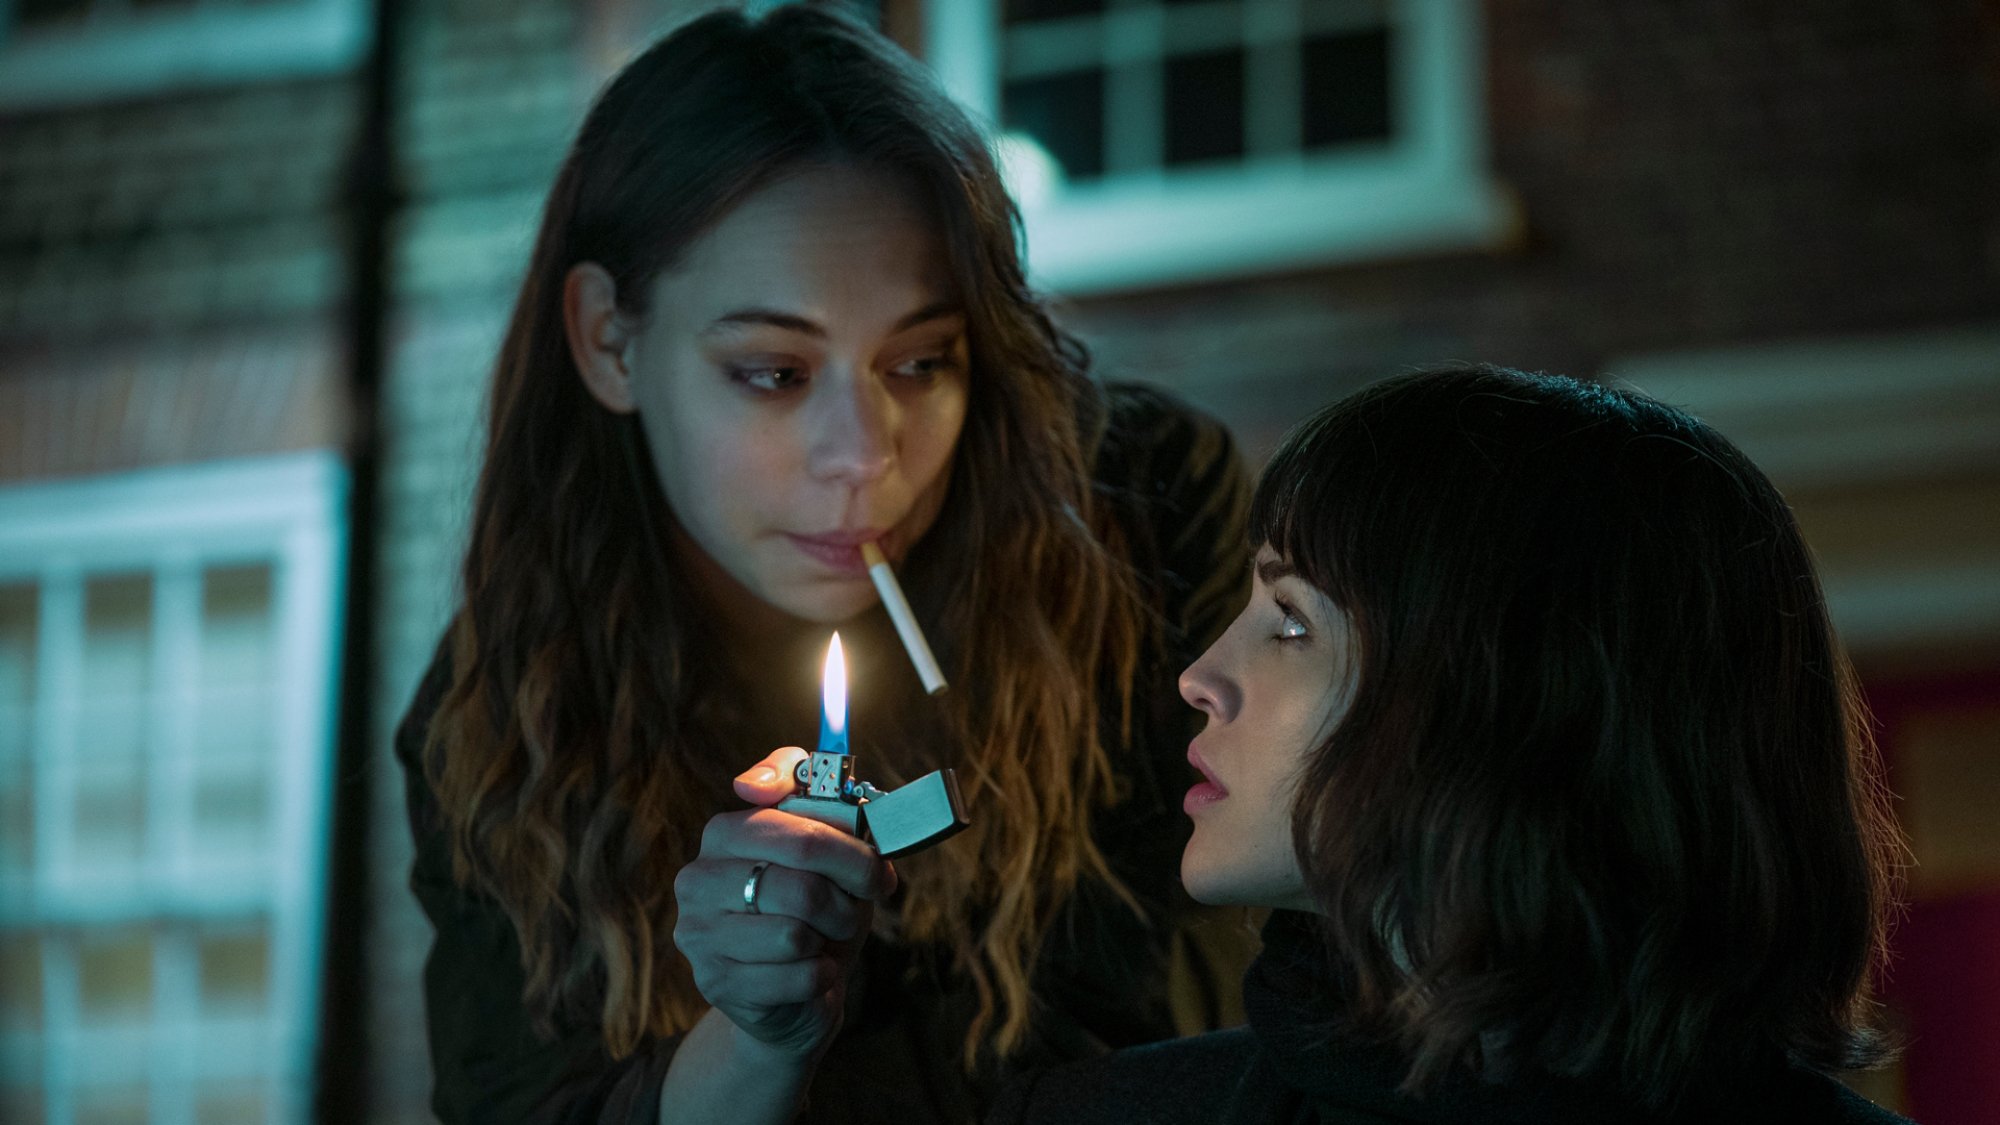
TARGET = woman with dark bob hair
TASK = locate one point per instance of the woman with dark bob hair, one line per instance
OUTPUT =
(776, 314)
(1537, 737)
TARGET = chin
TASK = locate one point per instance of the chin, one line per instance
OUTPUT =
(829, 604)
(1218, 894)
(1203, 885)
(1245, 882)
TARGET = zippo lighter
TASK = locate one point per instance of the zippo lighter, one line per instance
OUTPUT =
(914, 817)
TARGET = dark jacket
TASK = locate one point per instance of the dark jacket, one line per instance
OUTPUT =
(1178, 487)
(1289, 1068)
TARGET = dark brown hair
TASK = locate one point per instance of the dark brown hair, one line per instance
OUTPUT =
(1604, 803)
(581, 746)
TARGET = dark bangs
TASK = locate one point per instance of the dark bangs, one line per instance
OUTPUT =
(1298, 508)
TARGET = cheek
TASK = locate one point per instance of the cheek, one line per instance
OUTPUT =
(1267, 817)
(1301, 719)
(934, 436)
(707, 447)
(711, 482)
(1293, 724)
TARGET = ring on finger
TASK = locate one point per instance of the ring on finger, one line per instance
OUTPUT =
(752, 885)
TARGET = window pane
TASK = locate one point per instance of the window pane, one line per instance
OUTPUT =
(118, 625)
(1346, 88)
(17, 649)
(21, 983)
(118, 1105)
(234, 746)
(1021, 11)
(17, 822)
(232, 811)
(108, 832)
(1204, 107)
(235, 972)
(17, 719)
(110, 797)
(237, 1103)
(110, 828)
(1065, 112)
(115, 976)
(236, 626)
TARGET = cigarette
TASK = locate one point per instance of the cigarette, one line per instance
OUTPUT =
(906, 622)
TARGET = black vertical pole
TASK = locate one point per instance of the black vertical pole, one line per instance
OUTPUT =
(344, 1077)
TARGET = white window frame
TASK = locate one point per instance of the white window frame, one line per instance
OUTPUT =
(1427, 191)
(286, 511)
(141, 53)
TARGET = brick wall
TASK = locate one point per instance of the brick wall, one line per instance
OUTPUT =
(176, 214)
(170, 272)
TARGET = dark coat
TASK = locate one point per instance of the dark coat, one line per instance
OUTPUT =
(1287, 1068)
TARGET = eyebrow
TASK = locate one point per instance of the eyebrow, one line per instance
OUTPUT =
(1270, 570)
(793, 322)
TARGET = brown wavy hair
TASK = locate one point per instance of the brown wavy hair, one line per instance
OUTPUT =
(1604, 802)
(577, 754)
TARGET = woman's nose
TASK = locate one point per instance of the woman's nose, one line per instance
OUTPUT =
(1207, 690)
(854, 439)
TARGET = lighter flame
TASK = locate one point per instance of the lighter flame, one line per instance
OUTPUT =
(833, 687)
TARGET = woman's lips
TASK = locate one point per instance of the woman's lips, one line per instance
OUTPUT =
(1205, 792)
(1202, 795)
(837, 550)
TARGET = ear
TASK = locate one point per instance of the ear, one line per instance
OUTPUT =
(599, 336)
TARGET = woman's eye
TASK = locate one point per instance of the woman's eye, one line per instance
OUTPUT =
(925, 367)
(1291, 627)
(767, 379)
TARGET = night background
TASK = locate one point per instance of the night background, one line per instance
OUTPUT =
(256, 255)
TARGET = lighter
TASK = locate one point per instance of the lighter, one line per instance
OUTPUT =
(911, 818)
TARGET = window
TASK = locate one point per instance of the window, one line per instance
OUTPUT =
(1160, 141)
(166, 688)
(62, 51)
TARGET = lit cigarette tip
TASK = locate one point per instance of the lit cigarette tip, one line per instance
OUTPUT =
(906, 622)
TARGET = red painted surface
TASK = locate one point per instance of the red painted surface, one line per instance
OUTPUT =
(1945, 982)
(1944, 975)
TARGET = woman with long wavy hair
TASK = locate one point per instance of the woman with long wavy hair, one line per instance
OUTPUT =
(776, 311)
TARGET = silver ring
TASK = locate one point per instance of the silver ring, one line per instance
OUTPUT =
(752, 885)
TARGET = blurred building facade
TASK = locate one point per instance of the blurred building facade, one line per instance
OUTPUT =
(1785, 217)
(173, 359)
